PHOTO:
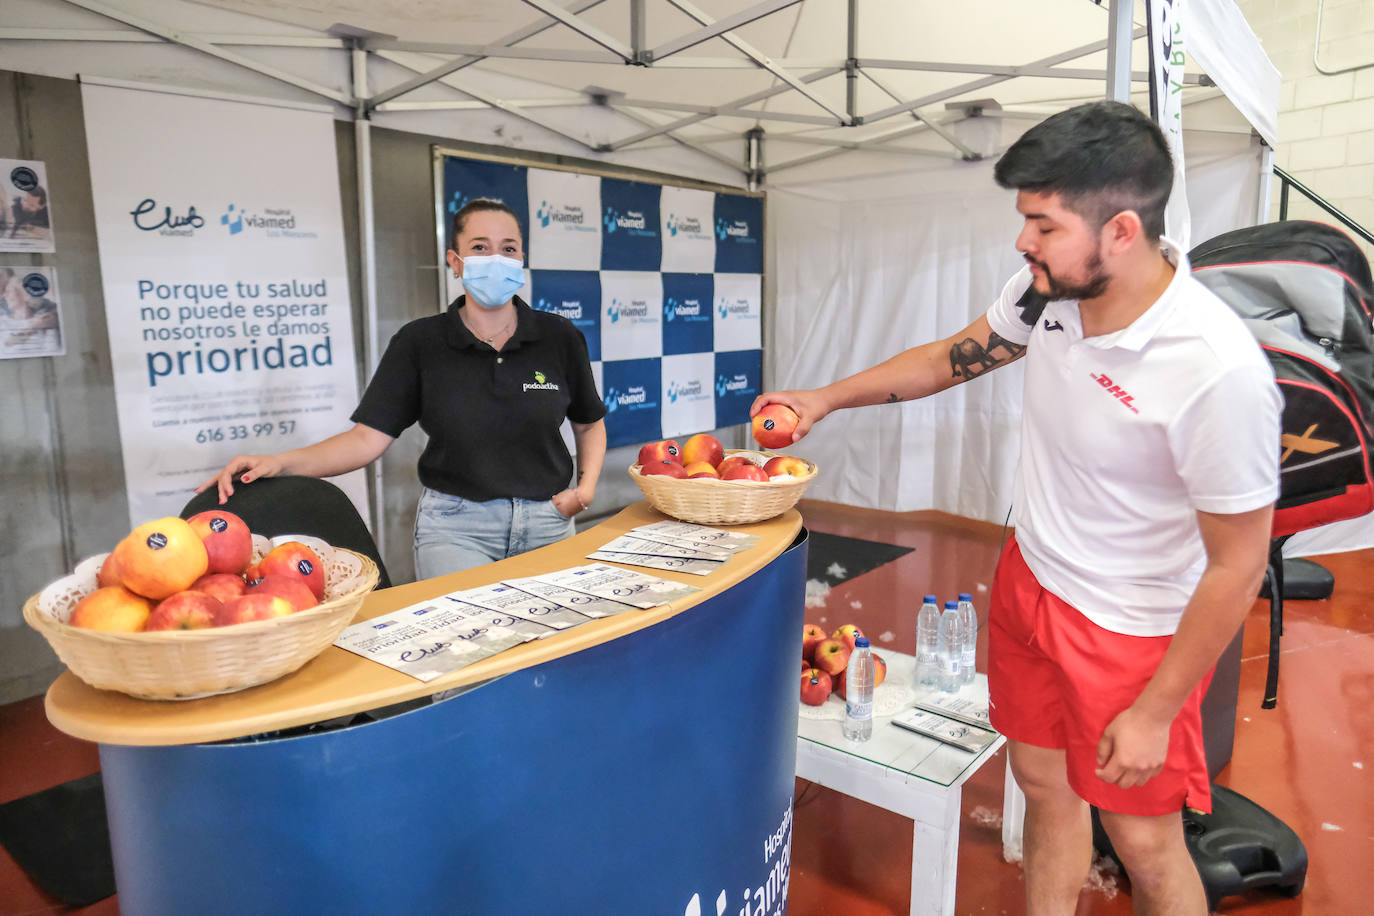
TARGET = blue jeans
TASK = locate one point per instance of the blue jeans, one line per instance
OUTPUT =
(452, 533)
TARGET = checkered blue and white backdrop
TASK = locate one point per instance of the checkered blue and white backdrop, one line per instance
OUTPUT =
(664, 282)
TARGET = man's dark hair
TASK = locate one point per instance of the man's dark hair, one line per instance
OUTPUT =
(41, 194)
(1100, 158)
(478, 205)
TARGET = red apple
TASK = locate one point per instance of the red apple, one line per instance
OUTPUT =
(733, 461)
(812, 636)
(289, 587)
(665, 450)
(701, 469)
(815, 687)
(253, 606)
(252, 574)
(109, 572)
(114, 609)
(188, 610)
(806, 665)
(774, 424)
(224, 586)
(847, 634)
(295, 559)
(831, 656)
(228, 542)
(786, 464)
(703, 447)
(879, 673)
(745, 472)
(666, 468)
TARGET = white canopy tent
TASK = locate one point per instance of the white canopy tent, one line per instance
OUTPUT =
(872, 123)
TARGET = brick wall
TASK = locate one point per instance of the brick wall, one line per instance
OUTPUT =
(1326, 123)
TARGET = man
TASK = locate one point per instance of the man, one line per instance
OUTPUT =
(30, 210)
(1148, 472)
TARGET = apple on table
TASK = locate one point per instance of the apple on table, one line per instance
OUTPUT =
(188, 610)
(160, 558)
(228, 542)
(113, 609)
(664, 468)
(288, 587)
(812, 636)
(746, 471)
(815, 686)
(699, 469)
(295, 559)
(224, 586)
(663, 450)
(703, 447)
(251, 606)
(847, 634)
(788, 465)
(831, 656)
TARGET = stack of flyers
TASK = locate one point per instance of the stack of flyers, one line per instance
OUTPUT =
(521, 625)
(432, 638)
(505, 599)
(700, 560)
(959, 734)
(623, 585)
(581, 602)
(953, 706)
(686, 534)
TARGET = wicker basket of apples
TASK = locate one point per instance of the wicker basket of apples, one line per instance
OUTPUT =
(182, 609)
(702, 482)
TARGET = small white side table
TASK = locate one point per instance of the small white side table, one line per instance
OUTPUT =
(906, 773)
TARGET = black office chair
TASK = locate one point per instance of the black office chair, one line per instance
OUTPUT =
(297, 505)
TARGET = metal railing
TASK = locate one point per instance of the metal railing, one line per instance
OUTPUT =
(1288, 181)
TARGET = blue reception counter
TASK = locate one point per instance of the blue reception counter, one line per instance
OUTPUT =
(640, 764)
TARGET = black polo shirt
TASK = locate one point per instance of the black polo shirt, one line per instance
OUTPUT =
(492, 418)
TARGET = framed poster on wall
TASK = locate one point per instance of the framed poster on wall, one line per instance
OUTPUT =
(665, 282)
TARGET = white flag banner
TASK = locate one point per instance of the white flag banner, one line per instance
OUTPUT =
(1166, 40)
(226, 289)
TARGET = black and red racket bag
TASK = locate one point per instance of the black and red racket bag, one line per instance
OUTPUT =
(1304, 290)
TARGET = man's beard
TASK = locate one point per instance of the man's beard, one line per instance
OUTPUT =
(1096, 284)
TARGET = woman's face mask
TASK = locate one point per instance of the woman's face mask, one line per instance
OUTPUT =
(492, 279)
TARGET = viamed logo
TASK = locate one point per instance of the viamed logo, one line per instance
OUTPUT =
(613, 311)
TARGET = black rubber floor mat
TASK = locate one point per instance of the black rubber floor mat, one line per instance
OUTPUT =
(833, 558)
(60, 838)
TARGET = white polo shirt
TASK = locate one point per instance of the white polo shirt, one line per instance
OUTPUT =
(1124, 436)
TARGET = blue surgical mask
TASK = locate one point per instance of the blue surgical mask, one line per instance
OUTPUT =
(492, 279)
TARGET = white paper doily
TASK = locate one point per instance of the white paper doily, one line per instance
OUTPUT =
(889, 698)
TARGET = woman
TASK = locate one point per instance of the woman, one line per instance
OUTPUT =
(490, 381)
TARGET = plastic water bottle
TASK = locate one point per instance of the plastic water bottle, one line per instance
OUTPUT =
(951, 647)
(928, 643)
(968, 627)
(858, 693)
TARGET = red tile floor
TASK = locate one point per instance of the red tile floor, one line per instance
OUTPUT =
(1309, 761)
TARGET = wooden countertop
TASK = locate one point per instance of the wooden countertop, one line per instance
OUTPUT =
(338, 682)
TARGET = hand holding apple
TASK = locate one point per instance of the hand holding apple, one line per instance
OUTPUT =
(774, 425)
(810, 406)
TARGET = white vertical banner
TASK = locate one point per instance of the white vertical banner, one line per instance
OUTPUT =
(1166, 41)
(226, 289)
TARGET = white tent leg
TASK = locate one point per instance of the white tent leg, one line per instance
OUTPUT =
(362, 135)
(1119, 51)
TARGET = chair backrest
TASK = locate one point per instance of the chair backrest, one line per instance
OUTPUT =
(297, 505)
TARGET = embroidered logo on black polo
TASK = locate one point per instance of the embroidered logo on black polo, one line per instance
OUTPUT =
(540, 383)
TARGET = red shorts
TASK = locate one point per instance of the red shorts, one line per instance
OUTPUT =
(1056, 680)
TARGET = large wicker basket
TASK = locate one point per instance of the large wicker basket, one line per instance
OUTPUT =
(188, 664)
(707, 501)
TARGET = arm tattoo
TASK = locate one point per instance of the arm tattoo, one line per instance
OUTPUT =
(892, 398)
(968, 357)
